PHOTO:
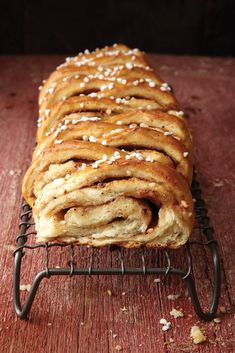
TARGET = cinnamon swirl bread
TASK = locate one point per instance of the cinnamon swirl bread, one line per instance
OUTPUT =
(113, 161)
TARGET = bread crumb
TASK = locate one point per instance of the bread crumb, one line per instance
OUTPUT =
(184, 204)
(156, 280)
(173, 296)
(25, 287)
(16, 172)
(217, 320)
(114, 335)
(166, 327)
(176, 313)
(123, 309)
(166, 324)
(217, 183)
(197, 335)
(118, 347)
(163, 321)
(123, 293)
(109, 292)
(222, 309)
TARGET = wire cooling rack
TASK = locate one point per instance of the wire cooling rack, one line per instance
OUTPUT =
(203, 238)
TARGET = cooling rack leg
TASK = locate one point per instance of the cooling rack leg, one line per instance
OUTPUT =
(23, 310)
(206, 316)
(209, 315)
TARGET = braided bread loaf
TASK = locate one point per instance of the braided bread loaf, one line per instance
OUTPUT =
(113, 162)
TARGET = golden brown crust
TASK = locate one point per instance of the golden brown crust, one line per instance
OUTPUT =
(103, 106)
(113, 162)
(123, 137)
(106, 88)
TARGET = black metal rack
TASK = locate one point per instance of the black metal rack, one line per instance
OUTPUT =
(206, 240)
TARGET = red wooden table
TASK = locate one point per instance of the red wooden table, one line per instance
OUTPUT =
(107, 314)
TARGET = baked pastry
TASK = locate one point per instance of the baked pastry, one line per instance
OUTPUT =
(113, 161)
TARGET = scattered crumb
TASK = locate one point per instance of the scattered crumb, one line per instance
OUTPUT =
(57, 267)
(49, 324)
(163, 321)
(25, 287)
(183, 203)
(16, 172)
(173, 296)
(114, 335)
(197, 335)
(222, 309)
(118, 347)
(166, 324)
(217, 320)
(166, 327)
(109, 292)
(81, 323)
(176, 313)
(157, 280)
(123, 293)
(217, 183)
(123, 309)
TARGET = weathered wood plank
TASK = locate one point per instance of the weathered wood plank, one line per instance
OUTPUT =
(78, 315)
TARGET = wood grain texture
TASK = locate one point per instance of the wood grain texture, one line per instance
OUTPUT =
(77, 314)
